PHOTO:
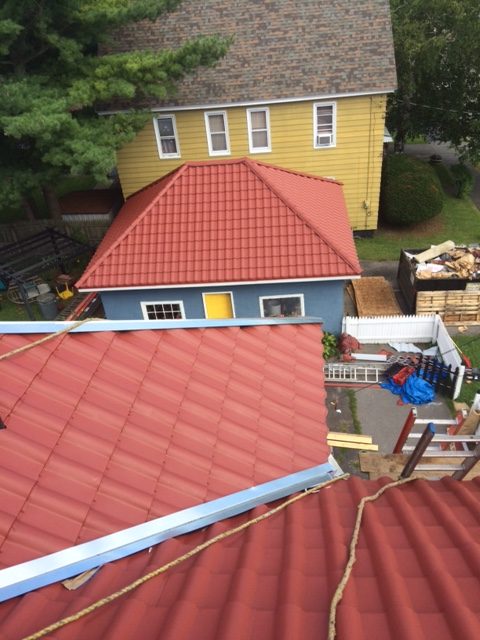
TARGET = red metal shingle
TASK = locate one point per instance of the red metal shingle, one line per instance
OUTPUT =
(150, 426)
(226, 221)
(416, 575)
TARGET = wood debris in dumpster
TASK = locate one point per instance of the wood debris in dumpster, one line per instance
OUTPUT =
(458, 262)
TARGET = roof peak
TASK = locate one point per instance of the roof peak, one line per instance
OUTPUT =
(245, 160)
(232, 185)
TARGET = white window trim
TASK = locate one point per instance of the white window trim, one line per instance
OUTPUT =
(283, 295)
(211, 152)
(253, 149)
(150, 302)
(334, 124)
(162, 155)
(206, 293)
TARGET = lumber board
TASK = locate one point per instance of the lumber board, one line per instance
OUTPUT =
(349, 437)
(374, 296)
(342, 444)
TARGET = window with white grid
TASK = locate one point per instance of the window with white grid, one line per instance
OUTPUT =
(163, 310)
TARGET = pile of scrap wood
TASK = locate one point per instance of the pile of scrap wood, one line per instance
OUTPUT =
(447, 260)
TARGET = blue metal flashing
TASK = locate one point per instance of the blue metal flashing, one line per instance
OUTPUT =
(139, 325)
(54, 567)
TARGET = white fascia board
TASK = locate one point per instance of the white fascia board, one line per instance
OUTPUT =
(253, 103)
(147, 325)
(27, 576)
(218, 284)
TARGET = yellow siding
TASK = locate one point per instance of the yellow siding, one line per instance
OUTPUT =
(356, 160)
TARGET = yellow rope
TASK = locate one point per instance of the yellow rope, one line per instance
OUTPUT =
(173, 563)
(338, 595)
(30, 345)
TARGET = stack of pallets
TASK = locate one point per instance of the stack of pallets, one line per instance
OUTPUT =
(452, 306)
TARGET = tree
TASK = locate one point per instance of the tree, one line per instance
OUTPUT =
(52, 78)
(437, 50)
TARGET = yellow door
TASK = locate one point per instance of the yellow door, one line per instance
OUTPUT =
(218, 305)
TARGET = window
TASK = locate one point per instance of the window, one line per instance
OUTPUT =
(258, 121)
(324, 124)
(163, 310)
(282, 306)
(217, 133)
(167, 138)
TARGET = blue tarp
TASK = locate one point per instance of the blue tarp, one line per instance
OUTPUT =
(414, 391)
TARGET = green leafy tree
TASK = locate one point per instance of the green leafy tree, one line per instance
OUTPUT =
(52, 79)
(437, 50)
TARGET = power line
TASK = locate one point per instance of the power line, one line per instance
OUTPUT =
(427, 106)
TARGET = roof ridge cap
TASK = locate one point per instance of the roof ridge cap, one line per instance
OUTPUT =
(301, 174)
(179, 171)
(298, 213)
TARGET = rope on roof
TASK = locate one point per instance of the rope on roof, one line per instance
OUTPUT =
(30, 345)
(226, 534)
(156, 572)
(338, 595)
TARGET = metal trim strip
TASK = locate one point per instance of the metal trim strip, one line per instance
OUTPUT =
(34, 574)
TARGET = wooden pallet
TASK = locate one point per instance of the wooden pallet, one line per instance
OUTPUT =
(454, 307)
(375, 297)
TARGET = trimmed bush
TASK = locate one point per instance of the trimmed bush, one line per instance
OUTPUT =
(411, 191)
(463, 180)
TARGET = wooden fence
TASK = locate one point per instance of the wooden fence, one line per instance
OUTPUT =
(90, 232)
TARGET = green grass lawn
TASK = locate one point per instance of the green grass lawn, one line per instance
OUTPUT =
(470, 345)
(459, 221)
(16, 312)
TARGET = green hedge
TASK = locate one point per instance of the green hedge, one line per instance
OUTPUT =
(463, 180)
(411, 191)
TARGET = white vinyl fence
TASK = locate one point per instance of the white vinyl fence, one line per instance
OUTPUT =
(384, 329)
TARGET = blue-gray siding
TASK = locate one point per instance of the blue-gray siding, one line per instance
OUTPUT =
(322, 299)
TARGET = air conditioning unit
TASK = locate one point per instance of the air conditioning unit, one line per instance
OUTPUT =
(324, 140)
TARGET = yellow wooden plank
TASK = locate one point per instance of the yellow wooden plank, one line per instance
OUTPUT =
(341, 444)
(349, 437)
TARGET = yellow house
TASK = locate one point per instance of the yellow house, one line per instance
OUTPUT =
(303, 86)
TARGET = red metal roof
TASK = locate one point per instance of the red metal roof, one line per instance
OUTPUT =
(109, 429)
(226, 221)
(416, 575)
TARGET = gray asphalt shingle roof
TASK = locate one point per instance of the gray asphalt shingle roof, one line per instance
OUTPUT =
(281, 49)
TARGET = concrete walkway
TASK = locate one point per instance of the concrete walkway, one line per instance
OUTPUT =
(377, 410)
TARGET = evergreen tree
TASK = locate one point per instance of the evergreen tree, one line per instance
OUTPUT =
(52, 79)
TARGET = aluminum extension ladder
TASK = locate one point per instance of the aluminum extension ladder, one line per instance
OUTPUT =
(349, 372)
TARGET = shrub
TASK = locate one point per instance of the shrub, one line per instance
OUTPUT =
(329, 341)
(411, 191)
(463, 180)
